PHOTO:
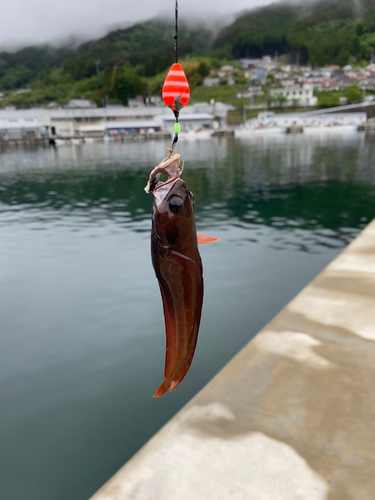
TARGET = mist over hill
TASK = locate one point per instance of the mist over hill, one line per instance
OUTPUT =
(318, 32)
(132, 60)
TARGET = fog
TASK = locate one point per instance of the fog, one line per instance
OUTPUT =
(37, 21)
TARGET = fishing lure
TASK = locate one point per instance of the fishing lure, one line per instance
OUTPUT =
(178, 268)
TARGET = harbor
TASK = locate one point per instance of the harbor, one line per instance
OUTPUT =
(35, 127)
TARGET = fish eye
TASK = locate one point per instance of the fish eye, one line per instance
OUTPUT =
(175, 203)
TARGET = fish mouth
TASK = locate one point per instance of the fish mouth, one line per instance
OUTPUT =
(170, 167)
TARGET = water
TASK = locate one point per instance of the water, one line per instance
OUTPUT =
(81, 325)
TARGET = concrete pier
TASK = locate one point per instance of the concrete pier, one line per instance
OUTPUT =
(291, 417)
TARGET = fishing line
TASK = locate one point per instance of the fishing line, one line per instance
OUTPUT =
(176, 90)
(176, 111)
(175, 34)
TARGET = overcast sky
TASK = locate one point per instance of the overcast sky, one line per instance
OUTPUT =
(34, 21)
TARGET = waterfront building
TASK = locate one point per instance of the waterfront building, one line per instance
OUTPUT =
(192, 121)
(68, 122)
(25, 123)
(21, 128)
(71, 122)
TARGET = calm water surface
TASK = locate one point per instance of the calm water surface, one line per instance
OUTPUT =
(81, 324)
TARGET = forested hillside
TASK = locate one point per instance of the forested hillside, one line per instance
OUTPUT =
(133, 61)
(320, 33)
(118, 65)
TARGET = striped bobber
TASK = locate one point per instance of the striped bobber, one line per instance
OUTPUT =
(176, 90)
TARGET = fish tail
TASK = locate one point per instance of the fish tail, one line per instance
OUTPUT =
(167, 384)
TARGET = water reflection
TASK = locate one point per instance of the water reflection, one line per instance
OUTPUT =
(284, 183)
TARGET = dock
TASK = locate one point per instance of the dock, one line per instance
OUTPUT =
(227, 132)
(82, 139)
(291, 417)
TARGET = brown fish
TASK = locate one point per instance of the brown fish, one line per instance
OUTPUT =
(178, 268)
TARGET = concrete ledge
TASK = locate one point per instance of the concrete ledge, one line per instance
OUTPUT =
(292, 416)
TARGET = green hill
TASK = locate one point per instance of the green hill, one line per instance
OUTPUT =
(320, 32)
(133, 61)
(99, 67)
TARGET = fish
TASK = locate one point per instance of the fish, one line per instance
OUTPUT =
(178, 268)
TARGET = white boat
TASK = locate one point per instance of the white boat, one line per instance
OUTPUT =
(252, 132)
(76, 141)
(195, 135)
(330, 130)
(61, 142)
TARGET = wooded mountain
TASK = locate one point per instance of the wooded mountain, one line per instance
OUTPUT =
(125, 61)
(148, 47)
(319, 32)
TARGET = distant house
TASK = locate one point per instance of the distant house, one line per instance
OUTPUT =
(225, 71)
(252, 91)
(250, 63)
(329, 84)
(368, 83)
(80, 104)
(211, 82)
(345, 81)
(53, 105)
(260, 75)
(303, 96)
(288, 82)
(1, 96)
(267, 63)
(255, 90)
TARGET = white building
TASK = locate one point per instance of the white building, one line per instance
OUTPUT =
(23, 123)
(211, 82)
(79, 121)
(302, 96)
(192, 121)
(21, 128)
(73, 122)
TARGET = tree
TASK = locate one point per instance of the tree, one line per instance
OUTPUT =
(126, 83)
(281, 99)
(203, 69)
(353, 94)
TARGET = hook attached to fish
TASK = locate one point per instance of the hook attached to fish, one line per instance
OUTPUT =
(178, 268)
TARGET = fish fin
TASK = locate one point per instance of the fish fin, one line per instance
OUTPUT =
(162, 389)
(203, 239)
(167, 384)
(175, 384)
